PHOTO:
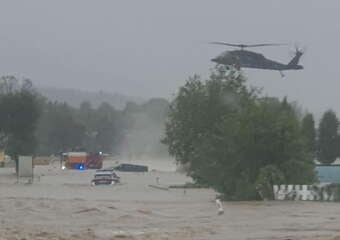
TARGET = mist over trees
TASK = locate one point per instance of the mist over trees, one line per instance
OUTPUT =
(31, 124)
(75, 97)
(132, 132)
(144, 129)
(234, 140)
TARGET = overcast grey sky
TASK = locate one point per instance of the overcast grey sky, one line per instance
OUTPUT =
(149, 48)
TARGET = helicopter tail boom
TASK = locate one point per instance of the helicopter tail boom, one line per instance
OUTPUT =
(295, 60)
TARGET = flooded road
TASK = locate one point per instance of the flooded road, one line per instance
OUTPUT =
(63, 205)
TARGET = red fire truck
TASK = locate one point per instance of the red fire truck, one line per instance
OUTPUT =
(83, 160)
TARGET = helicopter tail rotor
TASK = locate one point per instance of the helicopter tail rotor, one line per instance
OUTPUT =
(298, 50)
(294, 63)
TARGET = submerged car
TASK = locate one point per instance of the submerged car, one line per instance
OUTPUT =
(105, 177)
(125, 167)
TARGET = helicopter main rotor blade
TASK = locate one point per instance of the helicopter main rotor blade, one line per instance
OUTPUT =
(229, 44)
(248, 45)
(266, 44)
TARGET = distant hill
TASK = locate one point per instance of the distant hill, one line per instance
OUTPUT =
(75, 97)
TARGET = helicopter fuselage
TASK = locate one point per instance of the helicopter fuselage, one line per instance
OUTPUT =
(247, 59)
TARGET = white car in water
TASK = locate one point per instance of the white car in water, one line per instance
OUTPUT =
(106, 177)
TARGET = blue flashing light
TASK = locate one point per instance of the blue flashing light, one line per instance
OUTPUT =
(81, 167)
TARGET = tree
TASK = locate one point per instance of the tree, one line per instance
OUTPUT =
(107, 128)
(59, 130)
(20, 111)
(328, 140)
(102, 127)
(231, 138)
(309, 133)
(64, 128)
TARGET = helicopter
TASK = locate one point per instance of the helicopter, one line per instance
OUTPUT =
(247, 59)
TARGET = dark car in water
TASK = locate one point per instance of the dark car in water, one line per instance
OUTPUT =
(126, 167)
